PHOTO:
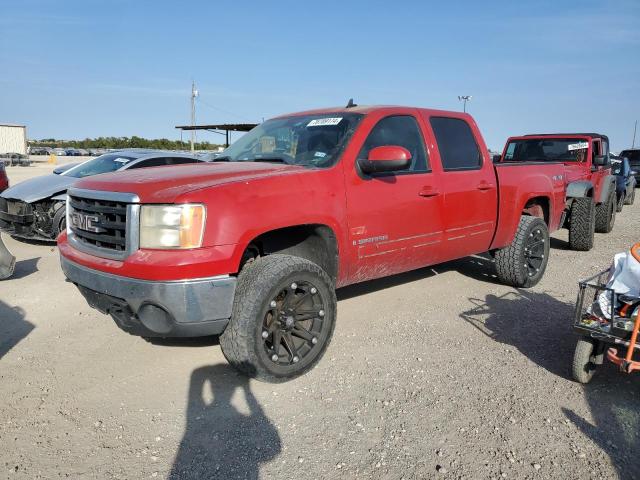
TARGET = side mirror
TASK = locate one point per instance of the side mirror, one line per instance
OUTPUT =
(388, 158)
(496, 158)
(601, 161)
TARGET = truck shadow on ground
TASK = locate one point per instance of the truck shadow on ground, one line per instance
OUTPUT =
(221, 441)
(540, 327)
(13, 327)
(477, 267)
(536, 324)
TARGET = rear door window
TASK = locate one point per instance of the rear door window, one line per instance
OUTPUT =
(456, 143)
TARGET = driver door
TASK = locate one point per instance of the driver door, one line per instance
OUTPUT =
(394, 218)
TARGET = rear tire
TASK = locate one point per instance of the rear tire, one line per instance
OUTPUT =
(267, 337)
(630, 198)
(606, 214)
(522, 264)
(621, 202)
(583, 368)
(582, 224)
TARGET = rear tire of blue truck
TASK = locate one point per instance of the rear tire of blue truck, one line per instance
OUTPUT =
(523, 263)
(283, 318)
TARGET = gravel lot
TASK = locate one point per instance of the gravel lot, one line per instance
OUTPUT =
(440, 373)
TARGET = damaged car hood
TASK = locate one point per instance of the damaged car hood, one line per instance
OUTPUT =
(39, 188)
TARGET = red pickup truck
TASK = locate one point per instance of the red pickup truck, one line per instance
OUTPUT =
(253, 246)
(591, 188)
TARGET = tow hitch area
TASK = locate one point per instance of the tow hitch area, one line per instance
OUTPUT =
(7, 261)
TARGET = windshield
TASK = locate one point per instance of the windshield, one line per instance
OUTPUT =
(308, 140)
(547, 149)
(102, 164)
(632, 155)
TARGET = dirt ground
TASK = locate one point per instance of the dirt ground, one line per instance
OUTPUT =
(440, 373)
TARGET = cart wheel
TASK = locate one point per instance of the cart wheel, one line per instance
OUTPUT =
(583, 367)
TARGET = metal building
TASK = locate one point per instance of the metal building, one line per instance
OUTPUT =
(13, 138)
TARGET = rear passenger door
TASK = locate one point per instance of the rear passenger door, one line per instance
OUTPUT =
(395, 218)
(469, 186)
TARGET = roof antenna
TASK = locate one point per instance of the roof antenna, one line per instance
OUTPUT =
(350, 104)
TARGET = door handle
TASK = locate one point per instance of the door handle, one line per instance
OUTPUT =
(485, 186)
(429, 192)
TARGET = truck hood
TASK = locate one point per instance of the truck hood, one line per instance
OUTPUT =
(166, 184)
(39, 188)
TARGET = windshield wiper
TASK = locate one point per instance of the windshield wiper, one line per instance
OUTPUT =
(270, 159)
(225, 158)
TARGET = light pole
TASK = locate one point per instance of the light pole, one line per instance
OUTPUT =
(635, 127)
(194, 94)
(464, 99)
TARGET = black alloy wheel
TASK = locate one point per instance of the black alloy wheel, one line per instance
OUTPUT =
(293, 323)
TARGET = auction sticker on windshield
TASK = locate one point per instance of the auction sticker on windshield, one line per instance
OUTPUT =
(323, 122)
(577, 146)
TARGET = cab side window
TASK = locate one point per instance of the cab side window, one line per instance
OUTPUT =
(402, 131)
(457, 146)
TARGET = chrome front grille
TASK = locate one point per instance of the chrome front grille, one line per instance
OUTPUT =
(104, 224)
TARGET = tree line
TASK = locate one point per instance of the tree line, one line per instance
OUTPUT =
(122, 142)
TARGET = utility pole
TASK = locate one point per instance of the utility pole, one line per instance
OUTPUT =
(464, 99)
(194, 94)
(635, 127)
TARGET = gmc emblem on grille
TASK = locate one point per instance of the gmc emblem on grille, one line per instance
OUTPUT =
(86, 222)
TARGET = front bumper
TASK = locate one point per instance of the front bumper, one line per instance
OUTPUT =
(187, 308)
(17, 218)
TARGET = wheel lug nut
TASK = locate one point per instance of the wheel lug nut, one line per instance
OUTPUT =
(314, 340)
(321, 313)
(273, 304)
(265, 334)
(296, 359)
(314, 290)
(274, 357)
(294, 286)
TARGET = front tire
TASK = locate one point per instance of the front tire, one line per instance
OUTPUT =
(283, 318)
(583, 367)
(582, 224)
(522, 264)
(621, 202)
(606, 214)
(59, 222)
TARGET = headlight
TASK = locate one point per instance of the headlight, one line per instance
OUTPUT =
(172, 226)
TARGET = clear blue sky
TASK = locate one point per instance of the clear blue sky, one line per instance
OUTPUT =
(86, 68)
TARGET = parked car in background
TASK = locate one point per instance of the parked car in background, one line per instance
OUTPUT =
(4, 179)
(625, 181)
(633, 155)
(591, 189)
(39, 151)
(73, 152)
(35, 208)
(60, 151)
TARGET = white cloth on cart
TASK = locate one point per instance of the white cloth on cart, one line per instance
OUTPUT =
(624, 278)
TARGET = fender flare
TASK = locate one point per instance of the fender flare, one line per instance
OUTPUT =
(579, 189)
(608, 183)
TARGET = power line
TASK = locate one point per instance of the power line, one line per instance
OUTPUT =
(200, 100)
